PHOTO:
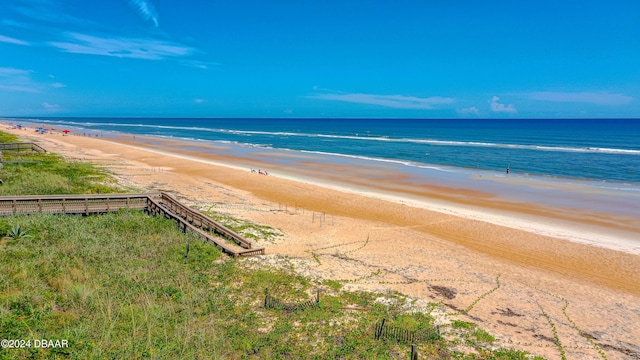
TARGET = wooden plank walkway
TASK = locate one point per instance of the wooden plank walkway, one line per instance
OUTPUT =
(202, 221)
(155, 203)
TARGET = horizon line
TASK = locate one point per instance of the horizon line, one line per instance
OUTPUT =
(316, 118)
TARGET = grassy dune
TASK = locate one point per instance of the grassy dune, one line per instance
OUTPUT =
(27, 172)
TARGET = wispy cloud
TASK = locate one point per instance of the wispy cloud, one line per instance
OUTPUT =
(146, 10)
(8, 72)
(198, 101)
(597, 98)
(501, 108)
(10, 40)
(469, 111)
(205, 65)
(48, 23)
(48, 106)
(123, 47)
(58, 85)
(393, 101)
(12, 79)
(44, 15)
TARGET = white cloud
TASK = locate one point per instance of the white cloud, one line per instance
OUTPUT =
(12, 79)
(598, 98)
(205, 65)
(318, 88)
(48, 106)
(469, 111)
(393, 101)
(19, 80)
(8, 72)
(149, 49)
(50, 25)
(18, 88)
(497, 107)
(10, 40)
(146, 10)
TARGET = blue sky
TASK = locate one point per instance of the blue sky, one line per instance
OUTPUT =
(425, 59)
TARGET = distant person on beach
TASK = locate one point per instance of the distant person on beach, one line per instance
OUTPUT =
(508, 169)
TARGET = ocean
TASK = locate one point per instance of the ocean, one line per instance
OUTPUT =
(601, 150)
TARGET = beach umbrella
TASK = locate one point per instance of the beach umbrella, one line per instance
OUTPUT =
(66, 131)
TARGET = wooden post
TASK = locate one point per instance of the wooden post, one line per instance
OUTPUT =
(317, 296)
(414, 352)
(379, 331)
(266, 297)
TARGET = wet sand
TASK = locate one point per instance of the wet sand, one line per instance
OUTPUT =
(511, 280)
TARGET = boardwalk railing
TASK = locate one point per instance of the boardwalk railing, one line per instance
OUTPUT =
(161, 208)
(202, 221)
(72, 204)
(22, 146)
(154, 203)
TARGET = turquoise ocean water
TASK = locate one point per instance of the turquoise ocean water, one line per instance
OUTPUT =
(590, 165)
(605, 150)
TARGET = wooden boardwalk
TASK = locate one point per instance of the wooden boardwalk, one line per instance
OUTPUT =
(162, 204)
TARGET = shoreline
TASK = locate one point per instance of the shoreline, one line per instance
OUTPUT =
(529, 217)
(598, 236)
(584, 226)
(374, 244)
(489, 212)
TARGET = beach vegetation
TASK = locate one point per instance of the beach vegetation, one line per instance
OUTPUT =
(17, 232)
(332, 284)
(459, 324)
(26, 172)
(482, 335)
(510, 354)
(245, 228)
(8, 138)
(119, 286)
(316, 258)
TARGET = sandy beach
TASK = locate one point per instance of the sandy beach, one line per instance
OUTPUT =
(533, 277)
